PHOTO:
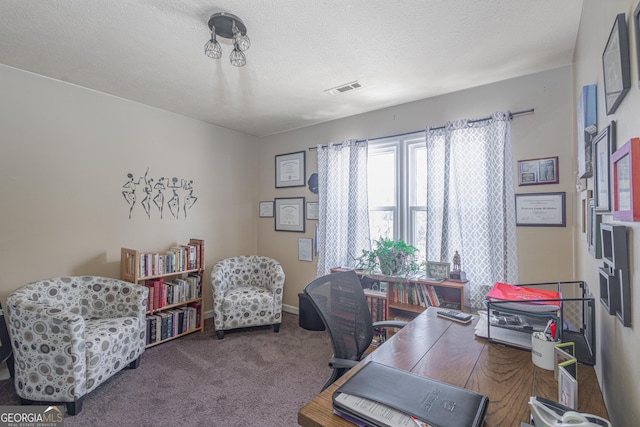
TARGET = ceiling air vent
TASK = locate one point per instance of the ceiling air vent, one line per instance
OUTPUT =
(344, 88)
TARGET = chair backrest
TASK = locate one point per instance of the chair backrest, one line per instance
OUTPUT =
(342, 306)
(246, 270)
(92, 297)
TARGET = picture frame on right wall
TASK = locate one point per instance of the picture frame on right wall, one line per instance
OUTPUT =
(615, 65)
(636, 24)
(604, 144)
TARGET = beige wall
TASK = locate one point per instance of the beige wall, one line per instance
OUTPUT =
(618, 347)
(65, 153)
(544, 253)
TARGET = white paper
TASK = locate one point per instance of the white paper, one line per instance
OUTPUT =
(290, 170)
(289, 215)
(376, 411)
(305, 249)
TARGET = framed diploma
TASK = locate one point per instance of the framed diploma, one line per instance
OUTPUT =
(266, 209)
(541, 210)
(289, 214)
(313, 210)
(305, 249)
(603, 146)
(291, 170)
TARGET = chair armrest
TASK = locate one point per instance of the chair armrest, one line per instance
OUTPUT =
(390, 324)
(336, 363)
(59, 335)
(24, 315)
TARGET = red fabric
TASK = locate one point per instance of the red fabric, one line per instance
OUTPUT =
(506, 292)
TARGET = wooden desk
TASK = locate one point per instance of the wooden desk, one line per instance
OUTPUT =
(450, 352)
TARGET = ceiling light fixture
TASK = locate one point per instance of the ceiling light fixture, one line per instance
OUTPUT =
(228, 26)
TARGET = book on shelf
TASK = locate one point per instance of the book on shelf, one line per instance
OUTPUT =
(372, 396)
(199, 244)
(197, 319)
(523, 298)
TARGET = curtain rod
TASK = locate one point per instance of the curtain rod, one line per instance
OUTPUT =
(511, 116)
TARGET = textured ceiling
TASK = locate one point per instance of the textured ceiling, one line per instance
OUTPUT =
(151, 51)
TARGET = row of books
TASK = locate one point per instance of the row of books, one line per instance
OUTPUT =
(162, 294)
(415, 294)
(169, 323)
(377, 302)
(176, 259)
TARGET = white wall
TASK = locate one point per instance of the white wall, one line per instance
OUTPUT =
(544, 253)
(618, 347)
(65, 153)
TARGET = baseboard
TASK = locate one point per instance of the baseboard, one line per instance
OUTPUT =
(291, 309)
(288, 308)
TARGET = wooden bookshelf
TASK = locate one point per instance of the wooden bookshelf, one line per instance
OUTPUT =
(175, 281)
(406, 297)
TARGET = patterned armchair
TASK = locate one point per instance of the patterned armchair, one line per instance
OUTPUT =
(247, 291)
(70, 334)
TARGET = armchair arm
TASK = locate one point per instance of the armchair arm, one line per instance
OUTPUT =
(45, 336)
(390, 324)
(337, 363)
(276, 278)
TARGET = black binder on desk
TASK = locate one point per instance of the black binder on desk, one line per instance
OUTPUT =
(433, 402)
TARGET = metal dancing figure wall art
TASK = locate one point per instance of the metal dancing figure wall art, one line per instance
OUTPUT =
(154, 191)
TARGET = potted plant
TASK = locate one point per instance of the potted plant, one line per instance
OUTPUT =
(390, 257)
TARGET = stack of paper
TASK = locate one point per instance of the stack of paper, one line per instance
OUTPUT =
(532, 300)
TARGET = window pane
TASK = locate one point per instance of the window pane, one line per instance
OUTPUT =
(419, 228)
(381, 224)
(381, 179)
(418, 175)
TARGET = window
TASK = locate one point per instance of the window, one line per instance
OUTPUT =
(397, 188)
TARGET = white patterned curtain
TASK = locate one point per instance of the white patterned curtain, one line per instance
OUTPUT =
(343, 230)
(470, 201)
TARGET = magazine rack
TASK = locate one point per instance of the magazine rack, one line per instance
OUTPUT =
(512, 326)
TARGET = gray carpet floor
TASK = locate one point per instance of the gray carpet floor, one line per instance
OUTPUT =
(252, 377)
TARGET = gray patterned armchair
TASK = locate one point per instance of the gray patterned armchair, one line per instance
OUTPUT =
(70, 334)
(247, 291)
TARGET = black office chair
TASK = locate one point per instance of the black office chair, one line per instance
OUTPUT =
(6, 352)
(342, 305)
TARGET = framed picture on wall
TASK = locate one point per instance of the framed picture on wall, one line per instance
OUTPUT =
(289, 214)
(615, 65)
(538, 171)
(540, 209)
(603, 147)
(305, 249)
(587, 128)
(291, 170)
(266, 209)
(626, 181)
(313, 210)
(593, 230)
(636, 24)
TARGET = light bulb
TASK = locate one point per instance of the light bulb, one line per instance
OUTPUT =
(237, 58)
(212, 48)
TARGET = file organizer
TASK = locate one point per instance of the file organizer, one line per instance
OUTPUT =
(575, 314)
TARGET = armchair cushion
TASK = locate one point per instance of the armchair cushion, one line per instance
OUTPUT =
(70, 334)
